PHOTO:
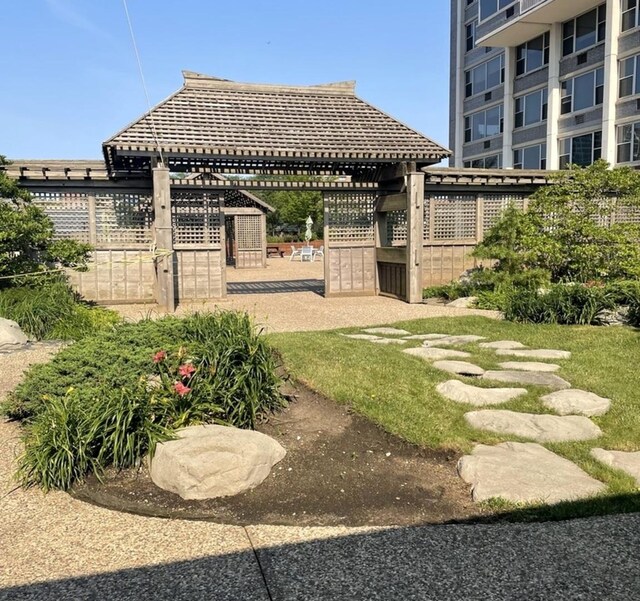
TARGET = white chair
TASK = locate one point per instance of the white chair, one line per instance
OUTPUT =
(318, 252)
(295, 253)
(306, 254)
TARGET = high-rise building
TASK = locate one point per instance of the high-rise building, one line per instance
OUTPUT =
(539, 84)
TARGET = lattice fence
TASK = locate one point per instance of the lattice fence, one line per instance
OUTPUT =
(69, 213)
(397, 228)
(350, 217)
(124, 219)
(196, 220)
(496, 204)
(249, 232)
(454, 216)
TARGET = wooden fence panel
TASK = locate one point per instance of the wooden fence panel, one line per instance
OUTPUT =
(198, 274)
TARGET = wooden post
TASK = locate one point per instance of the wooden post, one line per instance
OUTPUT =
(263, 238)
(165, 290)
(415, 219)
(222, 222)
(327, 246)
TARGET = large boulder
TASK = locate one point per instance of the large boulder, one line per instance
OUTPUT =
(205, 462)
(11, 334)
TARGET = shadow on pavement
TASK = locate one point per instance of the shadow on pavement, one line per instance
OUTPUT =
(588, 559)
(278, 286)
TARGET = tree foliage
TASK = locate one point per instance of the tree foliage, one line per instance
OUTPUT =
(26, 235)
(570, 228)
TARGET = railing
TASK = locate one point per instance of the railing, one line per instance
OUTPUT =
(526, 5)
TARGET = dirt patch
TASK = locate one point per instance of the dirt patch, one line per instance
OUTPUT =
(340, 469)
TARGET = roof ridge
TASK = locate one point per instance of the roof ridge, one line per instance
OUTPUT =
(198, 80)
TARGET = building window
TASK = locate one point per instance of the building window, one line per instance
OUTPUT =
(484, 124)
(532, 55)
(485, 76)
(530, 157)
(630, 14)
(629, 142)
(491, 162)
(470, 29)
(582, 92)
(531, 108)
(581, 150)
(629, 76)
(584, 31)
(489, 8)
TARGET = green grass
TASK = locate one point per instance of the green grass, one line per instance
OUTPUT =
(397, 391)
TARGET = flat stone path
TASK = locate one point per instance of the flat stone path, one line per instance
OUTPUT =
(434, 354)
(627, 461)
(457, 391)
(387, 331)
(425, 336)
(524, 473)
(453, 340)
(502, 344)
(530, 378)
(529, 366)
(573, 401)
(461, 368)
(538, 427)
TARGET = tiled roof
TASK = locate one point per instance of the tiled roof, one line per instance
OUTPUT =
(219, 117)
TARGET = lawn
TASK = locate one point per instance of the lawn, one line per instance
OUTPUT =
(398, 392)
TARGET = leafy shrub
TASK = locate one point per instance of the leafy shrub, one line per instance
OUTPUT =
(112, 396)
(53, 311)
(450, 292)
(566, 304)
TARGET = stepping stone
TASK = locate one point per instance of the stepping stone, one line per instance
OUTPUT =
(388, 341)
(538, 427)
(453, 340)
(529, 366)
(532, 378)
(541, 353)
(573, 401)
(457, 391)
(627, 461)
(503, 344)
(524, 472)
(460, 368)
(426, 336)
(387, 331)
(361, 336)
(433, 354)
(464, 302)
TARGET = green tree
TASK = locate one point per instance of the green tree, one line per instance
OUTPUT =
(26, 235)
(294, 206)
(570, 228)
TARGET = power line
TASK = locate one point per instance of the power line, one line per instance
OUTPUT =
(152, 125)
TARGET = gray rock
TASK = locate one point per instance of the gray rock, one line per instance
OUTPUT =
(461, 368)
(389, 341)
(11, 334)
(433, 354)
(502, 344)
(529, 366)
(387, 331)
(524, 473)
(453, 340)
(361, 336)
(464, 302)
(426, 336)
(573, 401)
(532, 378)
(541, 353)
(458, 391)
(205, 462)
(627, 461)
(617, 317)
(538, 427)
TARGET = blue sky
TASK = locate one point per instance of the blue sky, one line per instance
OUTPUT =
(70, 79)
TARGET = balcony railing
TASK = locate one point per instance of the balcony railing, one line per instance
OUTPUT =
(526, 5)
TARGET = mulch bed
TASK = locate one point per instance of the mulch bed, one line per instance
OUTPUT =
(340, 469)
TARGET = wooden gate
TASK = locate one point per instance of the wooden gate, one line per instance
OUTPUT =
(250, 238)
(349, 263)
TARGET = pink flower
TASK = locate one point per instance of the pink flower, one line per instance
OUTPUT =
(181, 389)
(159, 356)
(186, 370)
